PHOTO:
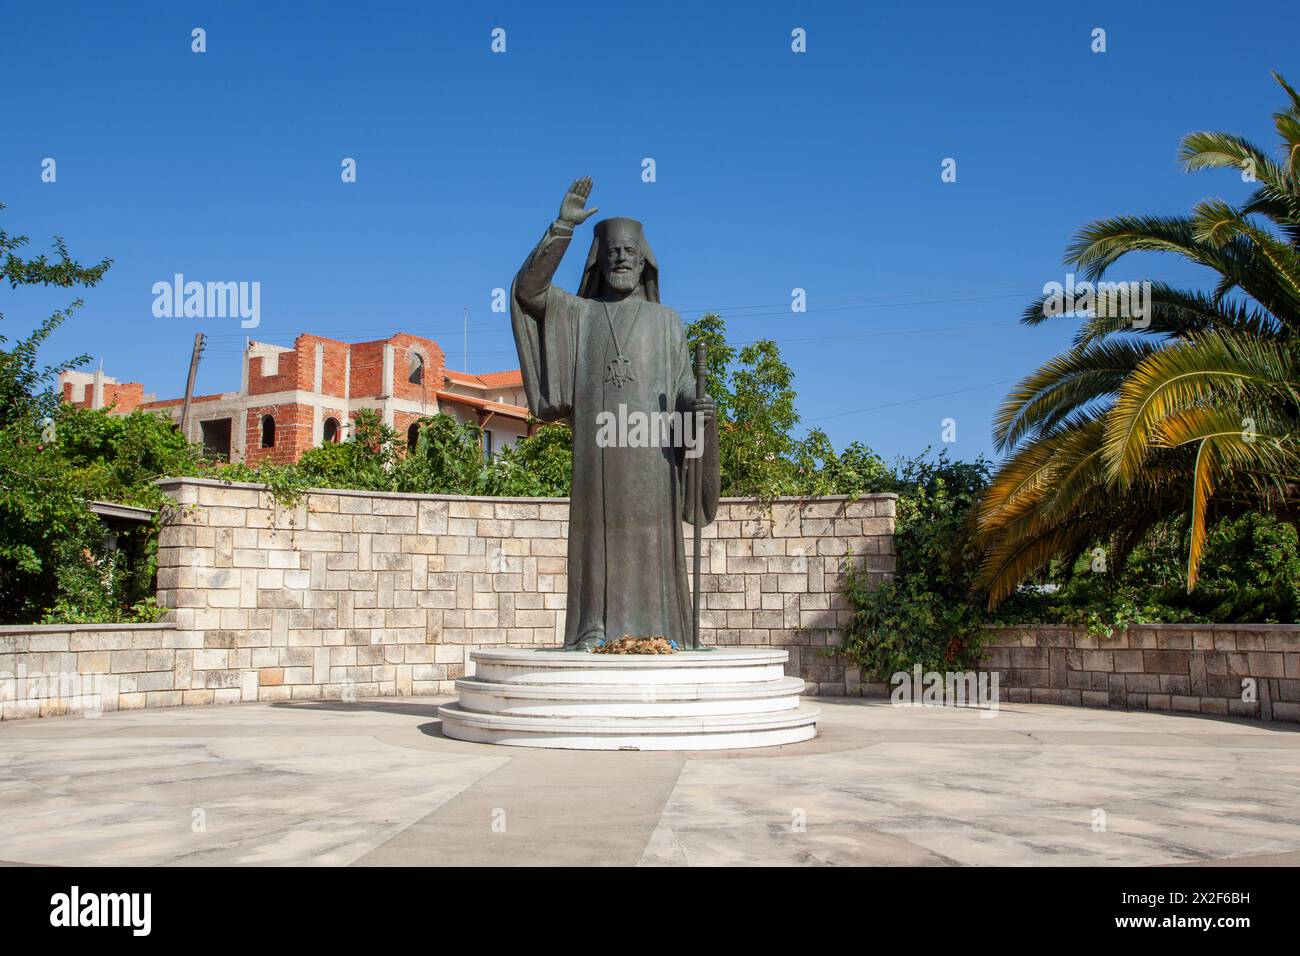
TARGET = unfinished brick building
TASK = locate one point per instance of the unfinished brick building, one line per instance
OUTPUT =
(294, 398)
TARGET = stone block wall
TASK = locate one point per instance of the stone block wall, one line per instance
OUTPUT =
(1190, 668)
(52, 669)
(1226, 670)
(370, 594)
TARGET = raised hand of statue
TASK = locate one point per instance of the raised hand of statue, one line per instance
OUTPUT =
(571, 208)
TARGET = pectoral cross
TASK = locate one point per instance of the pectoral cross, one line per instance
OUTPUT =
(619, 371)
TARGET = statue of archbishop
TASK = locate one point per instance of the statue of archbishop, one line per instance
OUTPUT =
(613, 350)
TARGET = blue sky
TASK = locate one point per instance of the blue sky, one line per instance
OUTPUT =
(774, 170)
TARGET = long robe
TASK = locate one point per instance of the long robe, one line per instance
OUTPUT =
(627, 563)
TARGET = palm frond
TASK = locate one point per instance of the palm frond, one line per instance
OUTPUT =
(1206, 150)
(1179, 313)
(1064, 384)
(1295, 97)
(1192, 413)
(1209, 365)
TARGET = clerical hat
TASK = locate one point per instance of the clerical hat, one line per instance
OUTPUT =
(593, 280)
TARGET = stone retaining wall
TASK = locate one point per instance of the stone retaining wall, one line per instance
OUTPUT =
(352, 593)
(54, 669)
(374, 594)
(1242, 670)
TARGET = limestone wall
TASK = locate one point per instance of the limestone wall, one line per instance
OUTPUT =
(1241, 670)
(52, 669)
(1197, 668)
(380, 594)
(354, 593)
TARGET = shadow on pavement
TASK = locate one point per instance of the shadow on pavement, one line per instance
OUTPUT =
(409, 708)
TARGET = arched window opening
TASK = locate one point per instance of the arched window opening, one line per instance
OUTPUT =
(268, 431)
(412, 435)
(331, 432)
(417, 369)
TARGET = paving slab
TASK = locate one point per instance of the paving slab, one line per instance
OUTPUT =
(375, 783)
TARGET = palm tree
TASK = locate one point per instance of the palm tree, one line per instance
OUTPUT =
(1193, 413)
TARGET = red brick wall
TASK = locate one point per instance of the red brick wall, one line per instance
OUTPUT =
(178, 403)
(285, 379)
(341, 417)
(293, 433)
(434, 363)
(125, 397)
(367, 369)
(401, 422)
(296, 371)
(87, 392)
(333, 380)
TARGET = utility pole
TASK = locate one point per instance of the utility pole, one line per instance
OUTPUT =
(466, 365)
(189, 386)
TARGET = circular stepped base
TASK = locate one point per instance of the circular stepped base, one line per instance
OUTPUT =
(632, 733)
(693, 700)
(627, 700)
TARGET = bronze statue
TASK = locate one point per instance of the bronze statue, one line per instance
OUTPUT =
(613, 350)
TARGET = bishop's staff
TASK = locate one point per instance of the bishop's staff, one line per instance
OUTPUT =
(697, 493)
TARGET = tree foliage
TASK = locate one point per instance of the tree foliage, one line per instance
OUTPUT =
(758, 449)
(1191, 416)
(52, 552)
(927, 613)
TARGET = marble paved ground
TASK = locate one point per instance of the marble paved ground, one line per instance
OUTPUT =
(375, 783)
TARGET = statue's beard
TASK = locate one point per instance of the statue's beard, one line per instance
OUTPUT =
(623, 281)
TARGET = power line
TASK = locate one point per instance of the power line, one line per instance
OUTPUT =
(910, 401)
(781, 309)
(781, 340)
(778, 308)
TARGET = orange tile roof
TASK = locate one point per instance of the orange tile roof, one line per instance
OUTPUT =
(510, 411)
(510, 378)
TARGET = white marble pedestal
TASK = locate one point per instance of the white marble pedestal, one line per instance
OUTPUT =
(692, 700)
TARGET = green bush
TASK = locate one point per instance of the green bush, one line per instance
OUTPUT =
(927, 614)
(932, 614)
(1250, 573)
(540, 466)
(54, 562)
(447, 460)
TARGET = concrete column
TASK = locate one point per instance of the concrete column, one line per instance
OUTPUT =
(239, 433)
(347, 392)
(389, 352)
(317, 386)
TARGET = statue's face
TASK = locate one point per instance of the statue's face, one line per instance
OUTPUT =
(622, 263)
